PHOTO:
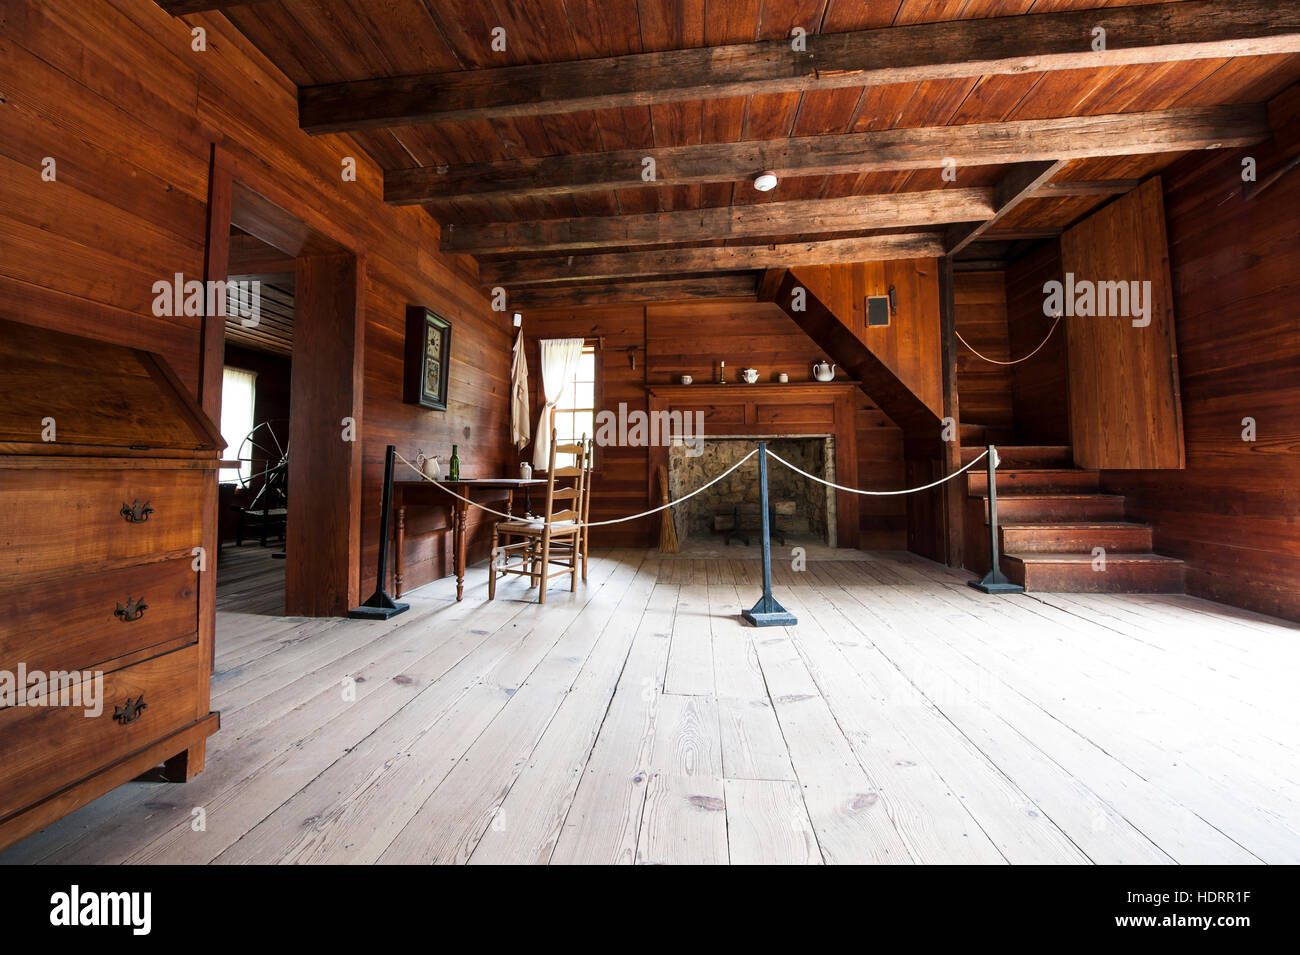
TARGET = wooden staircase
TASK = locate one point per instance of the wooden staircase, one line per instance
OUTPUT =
(1051, 516)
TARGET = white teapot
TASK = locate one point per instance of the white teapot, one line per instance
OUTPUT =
(823, 371)
(428, 466)
(750, 375)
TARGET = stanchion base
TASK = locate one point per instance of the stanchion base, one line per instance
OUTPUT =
(380, 606)
(768, 613)
(995, 584)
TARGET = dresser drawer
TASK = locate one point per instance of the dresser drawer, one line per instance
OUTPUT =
(54, 520)
(48, 747)
(91, 620)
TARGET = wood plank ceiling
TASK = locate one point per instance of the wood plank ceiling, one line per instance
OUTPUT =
(538, 163)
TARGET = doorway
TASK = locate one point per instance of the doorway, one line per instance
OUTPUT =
(303, 489)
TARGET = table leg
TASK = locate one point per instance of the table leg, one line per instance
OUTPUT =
(397, 558)
(510, 502)
(458, 527)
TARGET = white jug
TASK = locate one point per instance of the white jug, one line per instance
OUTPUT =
(525, 470)
(428, 466)
(823, 371)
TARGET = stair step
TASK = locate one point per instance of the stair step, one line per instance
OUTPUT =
(1018, 480)
(982, 434)
(1058, 508)
(1078, 537)
(1024, 455)
(1143, 573)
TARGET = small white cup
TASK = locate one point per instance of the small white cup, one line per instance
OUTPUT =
(687, 379)
(783, 378)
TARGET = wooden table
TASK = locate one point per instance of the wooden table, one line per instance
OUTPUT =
(419, 492)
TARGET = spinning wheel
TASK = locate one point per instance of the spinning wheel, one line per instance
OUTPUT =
(264, 455)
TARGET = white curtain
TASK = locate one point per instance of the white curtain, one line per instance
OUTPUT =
(238, 396)
(519, 394)
(560, 358)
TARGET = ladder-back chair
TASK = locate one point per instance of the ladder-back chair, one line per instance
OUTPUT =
(528, 547)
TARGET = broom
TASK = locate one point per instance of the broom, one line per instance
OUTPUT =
(667, 527)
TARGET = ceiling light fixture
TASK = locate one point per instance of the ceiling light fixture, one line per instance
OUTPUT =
(765, 181)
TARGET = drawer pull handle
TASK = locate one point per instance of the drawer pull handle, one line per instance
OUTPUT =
(131, 711)
(134, 609)
(135, 512)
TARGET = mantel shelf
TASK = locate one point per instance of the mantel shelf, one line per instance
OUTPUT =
(762, 387)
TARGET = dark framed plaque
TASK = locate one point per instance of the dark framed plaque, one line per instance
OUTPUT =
(428, 358)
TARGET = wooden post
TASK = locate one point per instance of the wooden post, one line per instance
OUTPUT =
(953, 494)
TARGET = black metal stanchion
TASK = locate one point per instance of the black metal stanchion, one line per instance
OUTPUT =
(994, 582)
(767, 612)
(380, 606)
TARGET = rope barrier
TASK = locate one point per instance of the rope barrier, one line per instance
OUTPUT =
(617, 520)
(854, 490)
(1017, 361)
(705, 487)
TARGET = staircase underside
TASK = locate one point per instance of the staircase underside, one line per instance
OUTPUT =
(1058, 532)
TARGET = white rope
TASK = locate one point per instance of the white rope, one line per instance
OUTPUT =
(994, 361)
(618, 520)
(854, 490)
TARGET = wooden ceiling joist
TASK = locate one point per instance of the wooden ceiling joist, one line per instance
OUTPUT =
(671, 290)
(512, 273)
(1015, 186)
(814, 216)
(1074, 137)
(180, 8)
(1156, 33)
(1083, 187)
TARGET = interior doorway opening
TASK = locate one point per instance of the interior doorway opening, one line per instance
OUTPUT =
(285, 359)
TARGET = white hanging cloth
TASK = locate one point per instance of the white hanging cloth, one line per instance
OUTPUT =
(559, 364)
(519, 394)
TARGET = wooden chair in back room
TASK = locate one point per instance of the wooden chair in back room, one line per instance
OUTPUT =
(553, 538)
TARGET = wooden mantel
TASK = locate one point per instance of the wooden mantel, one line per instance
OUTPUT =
(771, 409)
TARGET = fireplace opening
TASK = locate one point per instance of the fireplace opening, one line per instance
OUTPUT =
(803, 511)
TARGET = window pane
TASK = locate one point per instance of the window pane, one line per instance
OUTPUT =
(238, 391)
(584, 423)
(584, 395)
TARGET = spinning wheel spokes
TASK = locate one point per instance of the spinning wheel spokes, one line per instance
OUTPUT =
(264, 458)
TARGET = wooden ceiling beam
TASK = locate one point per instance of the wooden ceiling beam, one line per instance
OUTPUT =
(1015, 186)
(929, 147)
(671, 290)
(1084, 187)
(852, 214)
(511, 273)
(180, 8)
(1158, 33)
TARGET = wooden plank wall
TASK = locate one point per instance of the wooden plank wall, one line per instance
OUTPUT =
(1124, 400)
(1039, 387)
(114, 93)
(983, 388)
(1234, 513)
(673, 339)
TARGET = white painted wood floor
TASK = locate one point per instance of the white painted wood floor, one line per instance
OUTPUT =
(907, 718)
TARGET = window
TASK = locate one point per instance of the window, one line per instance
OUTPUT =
(575, 414)
(238, 392)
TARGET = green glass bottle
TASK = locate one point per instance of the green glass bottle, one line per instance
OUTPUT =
(453, 468)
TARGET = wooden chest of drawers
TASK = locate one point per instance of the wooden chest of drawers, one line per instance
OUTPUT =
(107, 520)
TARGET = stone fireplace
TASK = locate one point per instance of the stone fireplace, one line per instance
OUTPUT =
(805, 510)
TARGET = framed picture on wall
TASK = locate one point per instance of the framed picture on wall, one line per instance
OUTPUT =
(428, 358)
